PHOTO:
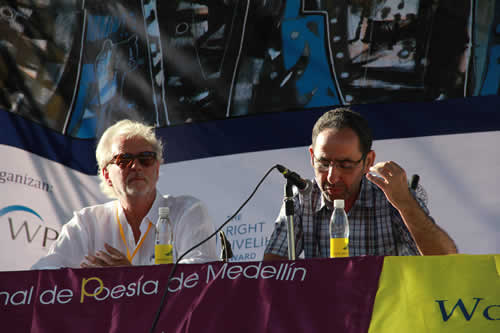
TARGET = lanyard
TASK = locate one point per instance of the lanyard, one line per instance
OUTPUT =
(125, 242)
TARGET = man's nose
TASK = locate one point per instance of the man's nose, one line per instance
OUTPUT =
(333, 174)
(135, 164)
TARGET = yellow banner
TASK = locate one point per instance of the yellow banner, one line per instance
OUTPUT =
(454, 294)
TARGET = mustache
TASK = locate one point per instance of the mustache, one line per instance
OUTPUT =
(333, 186)
(137, 175)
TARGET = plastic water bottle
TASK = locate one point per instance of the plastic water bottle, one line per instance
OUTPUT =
(164, 243)
(339, 231)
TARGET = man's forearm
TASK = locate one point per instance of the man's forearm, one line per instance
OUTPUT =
(429, 237)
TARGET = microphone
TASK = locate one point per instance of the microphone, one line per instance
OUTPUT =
(420, 192)
(414, 182)
(294, 178)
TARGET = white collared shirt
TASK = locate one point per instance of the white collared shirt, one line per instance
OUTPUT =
(93, 226)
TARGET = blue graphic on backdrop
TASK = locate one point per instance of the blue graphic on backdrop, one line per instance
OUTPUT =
(14, 208)
(116, 62)
(305, 48)
(78, 67)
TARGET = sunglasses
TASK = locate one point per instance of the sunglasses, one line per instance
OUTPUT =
(125, 160)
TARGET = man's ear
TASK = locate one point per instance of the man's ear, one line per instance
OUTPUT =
(369, 160)
(105, 174)
(311, 151)
(157, 170)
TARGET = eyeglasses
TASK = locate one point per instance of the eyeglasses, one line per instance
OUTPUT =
(125, 160)
(323, 165)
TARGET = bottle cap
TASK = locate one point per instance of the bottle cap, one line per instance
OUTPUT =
(163, 211)
(338, 203)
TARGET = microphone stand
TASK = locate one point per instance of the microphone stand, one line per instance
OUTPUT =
(289, 210)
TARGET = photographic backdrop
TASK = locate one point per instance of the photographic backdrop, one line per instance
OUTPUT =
(233, 88)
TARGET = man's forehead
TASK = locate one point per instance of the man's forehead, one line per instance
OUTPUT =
(333, 141)
(122, 144)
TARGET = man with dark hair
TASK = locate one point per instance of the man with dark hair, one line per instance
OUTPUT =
(385, 216)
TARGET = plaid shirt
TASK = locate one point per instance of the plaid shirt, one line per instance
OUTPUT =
(375, 226)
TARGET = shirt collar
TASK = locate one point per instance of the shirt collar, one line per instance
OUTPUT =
(319, 202)
(364, 199)
(152, 215)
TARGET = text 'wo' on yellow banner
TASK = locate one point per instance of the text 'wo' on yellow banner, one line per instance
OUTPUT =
(455, 294)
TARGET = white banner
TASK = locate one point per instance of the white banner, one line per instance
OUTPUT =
(458, 172)
(37, 197)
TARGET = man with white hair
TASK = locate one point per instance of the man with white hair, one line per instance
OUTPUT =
(122, 232)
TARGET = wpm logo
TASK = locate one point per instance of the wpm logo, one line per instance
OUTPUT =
(31, 224)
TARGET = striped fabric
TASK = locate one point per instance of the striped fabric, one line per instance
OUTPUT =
(376, 228)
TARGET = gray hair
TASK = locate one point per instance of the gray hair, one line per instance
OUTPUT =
(128, 129)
